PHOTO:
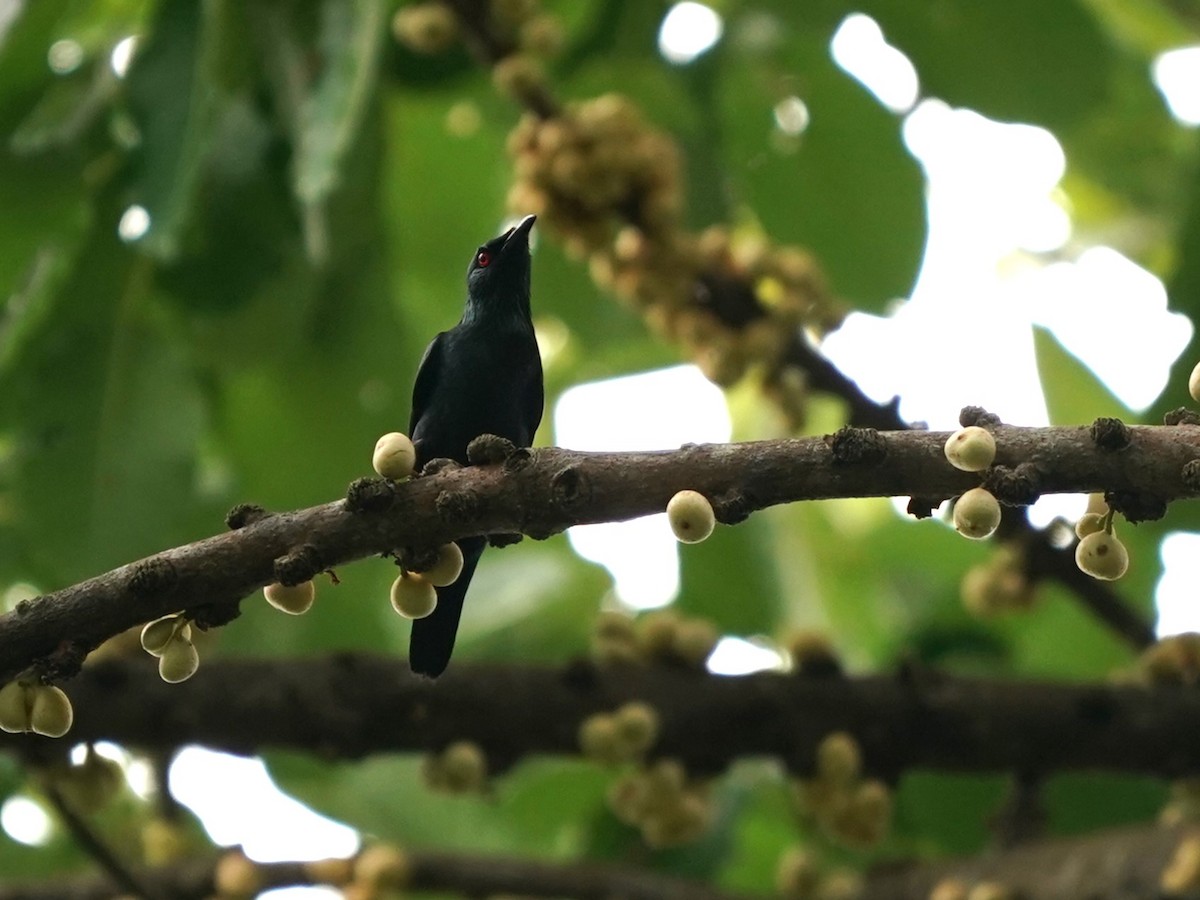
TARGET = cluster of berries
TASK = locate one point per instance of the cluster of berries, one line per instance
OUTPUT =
(660, 800)
(33, 707)
(659, 636)
(622, 736)
(799, 876)
(853, 810)
(977, 516)
(170, 639)
(378, 870)
(413, 593)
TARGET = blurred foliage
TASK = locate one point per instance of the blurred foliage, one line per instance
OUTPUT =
(313, 192)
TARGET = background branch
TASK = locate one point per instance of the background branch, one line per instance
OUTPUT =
(1117, 864)
(351, 706)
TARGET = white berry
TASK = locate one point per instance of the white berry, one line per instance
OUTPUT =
(448, 567)
(1194, 383)
(463, 767)
(158, 634)
(1102, 556)
(50, 712)
(691, 517)
(395, 457)
(14, 708)
(976, 514)
(1089, 523)
(179, 661)
(413, 597)
(971, 449)
(600, 739)
(293, 599)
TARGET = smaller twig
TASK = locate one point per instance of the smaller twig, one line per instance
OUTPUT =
(90, 843)
(1021, 818)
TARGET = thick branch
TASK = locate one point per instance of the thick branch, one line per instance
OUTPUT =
(352, 706)
(542, 492)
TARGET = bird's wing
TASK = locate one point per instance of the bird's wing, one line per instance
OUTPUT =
(536, 400)
(428, 374)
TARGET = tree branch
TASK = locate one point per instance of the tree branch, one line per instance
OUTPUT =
(470, 876)
(1117, 864)
(92, 844)
(542, 492)
(350, 706)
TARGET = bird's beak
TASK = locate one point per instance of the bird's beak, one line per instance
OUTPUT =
(520, 234)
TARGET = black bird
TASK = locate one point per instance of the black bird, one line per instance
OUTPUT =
(483, 376)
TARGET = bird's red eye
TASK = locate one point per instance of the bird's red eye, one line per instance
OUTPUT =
(483, 259)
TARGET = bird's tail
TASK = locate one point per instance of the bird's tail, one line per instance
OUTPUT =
(432, 639)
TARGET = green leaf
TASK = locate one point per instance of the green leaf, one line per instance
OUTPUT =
(992, 57)
(173, 92)
(1077, 803)
(1150, 26)
(43, 225)
(351, 35)
(943, 815)
(106, 416)
(535, 810)
(844, 187)
(24, 71)
(1073, 393)
(731, 579)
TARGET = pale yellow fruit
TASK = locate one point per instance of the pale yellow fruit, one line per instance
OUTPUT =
(236, 876)
(695, 640)
(1102, 556)
(1182, 874)
(463, 767)
(976, 514)
(691, 517)
(179, 661)
(797, 873)
(949, 889)
(413, 597)
(382, 866)
(839, 759)
(990, 589)
(158, 634)
(1194, 383)
(626, 798)
(294, 600)
(637, 727)
(678, 823)
(600, 740)
(447, 568)
(395, 456)
(971, 449)
(164, 842)
(50, 712)
(14, 707)
(1089, 523)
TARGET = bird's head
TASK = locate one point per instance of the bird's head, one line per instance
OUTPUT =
(499, 270)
